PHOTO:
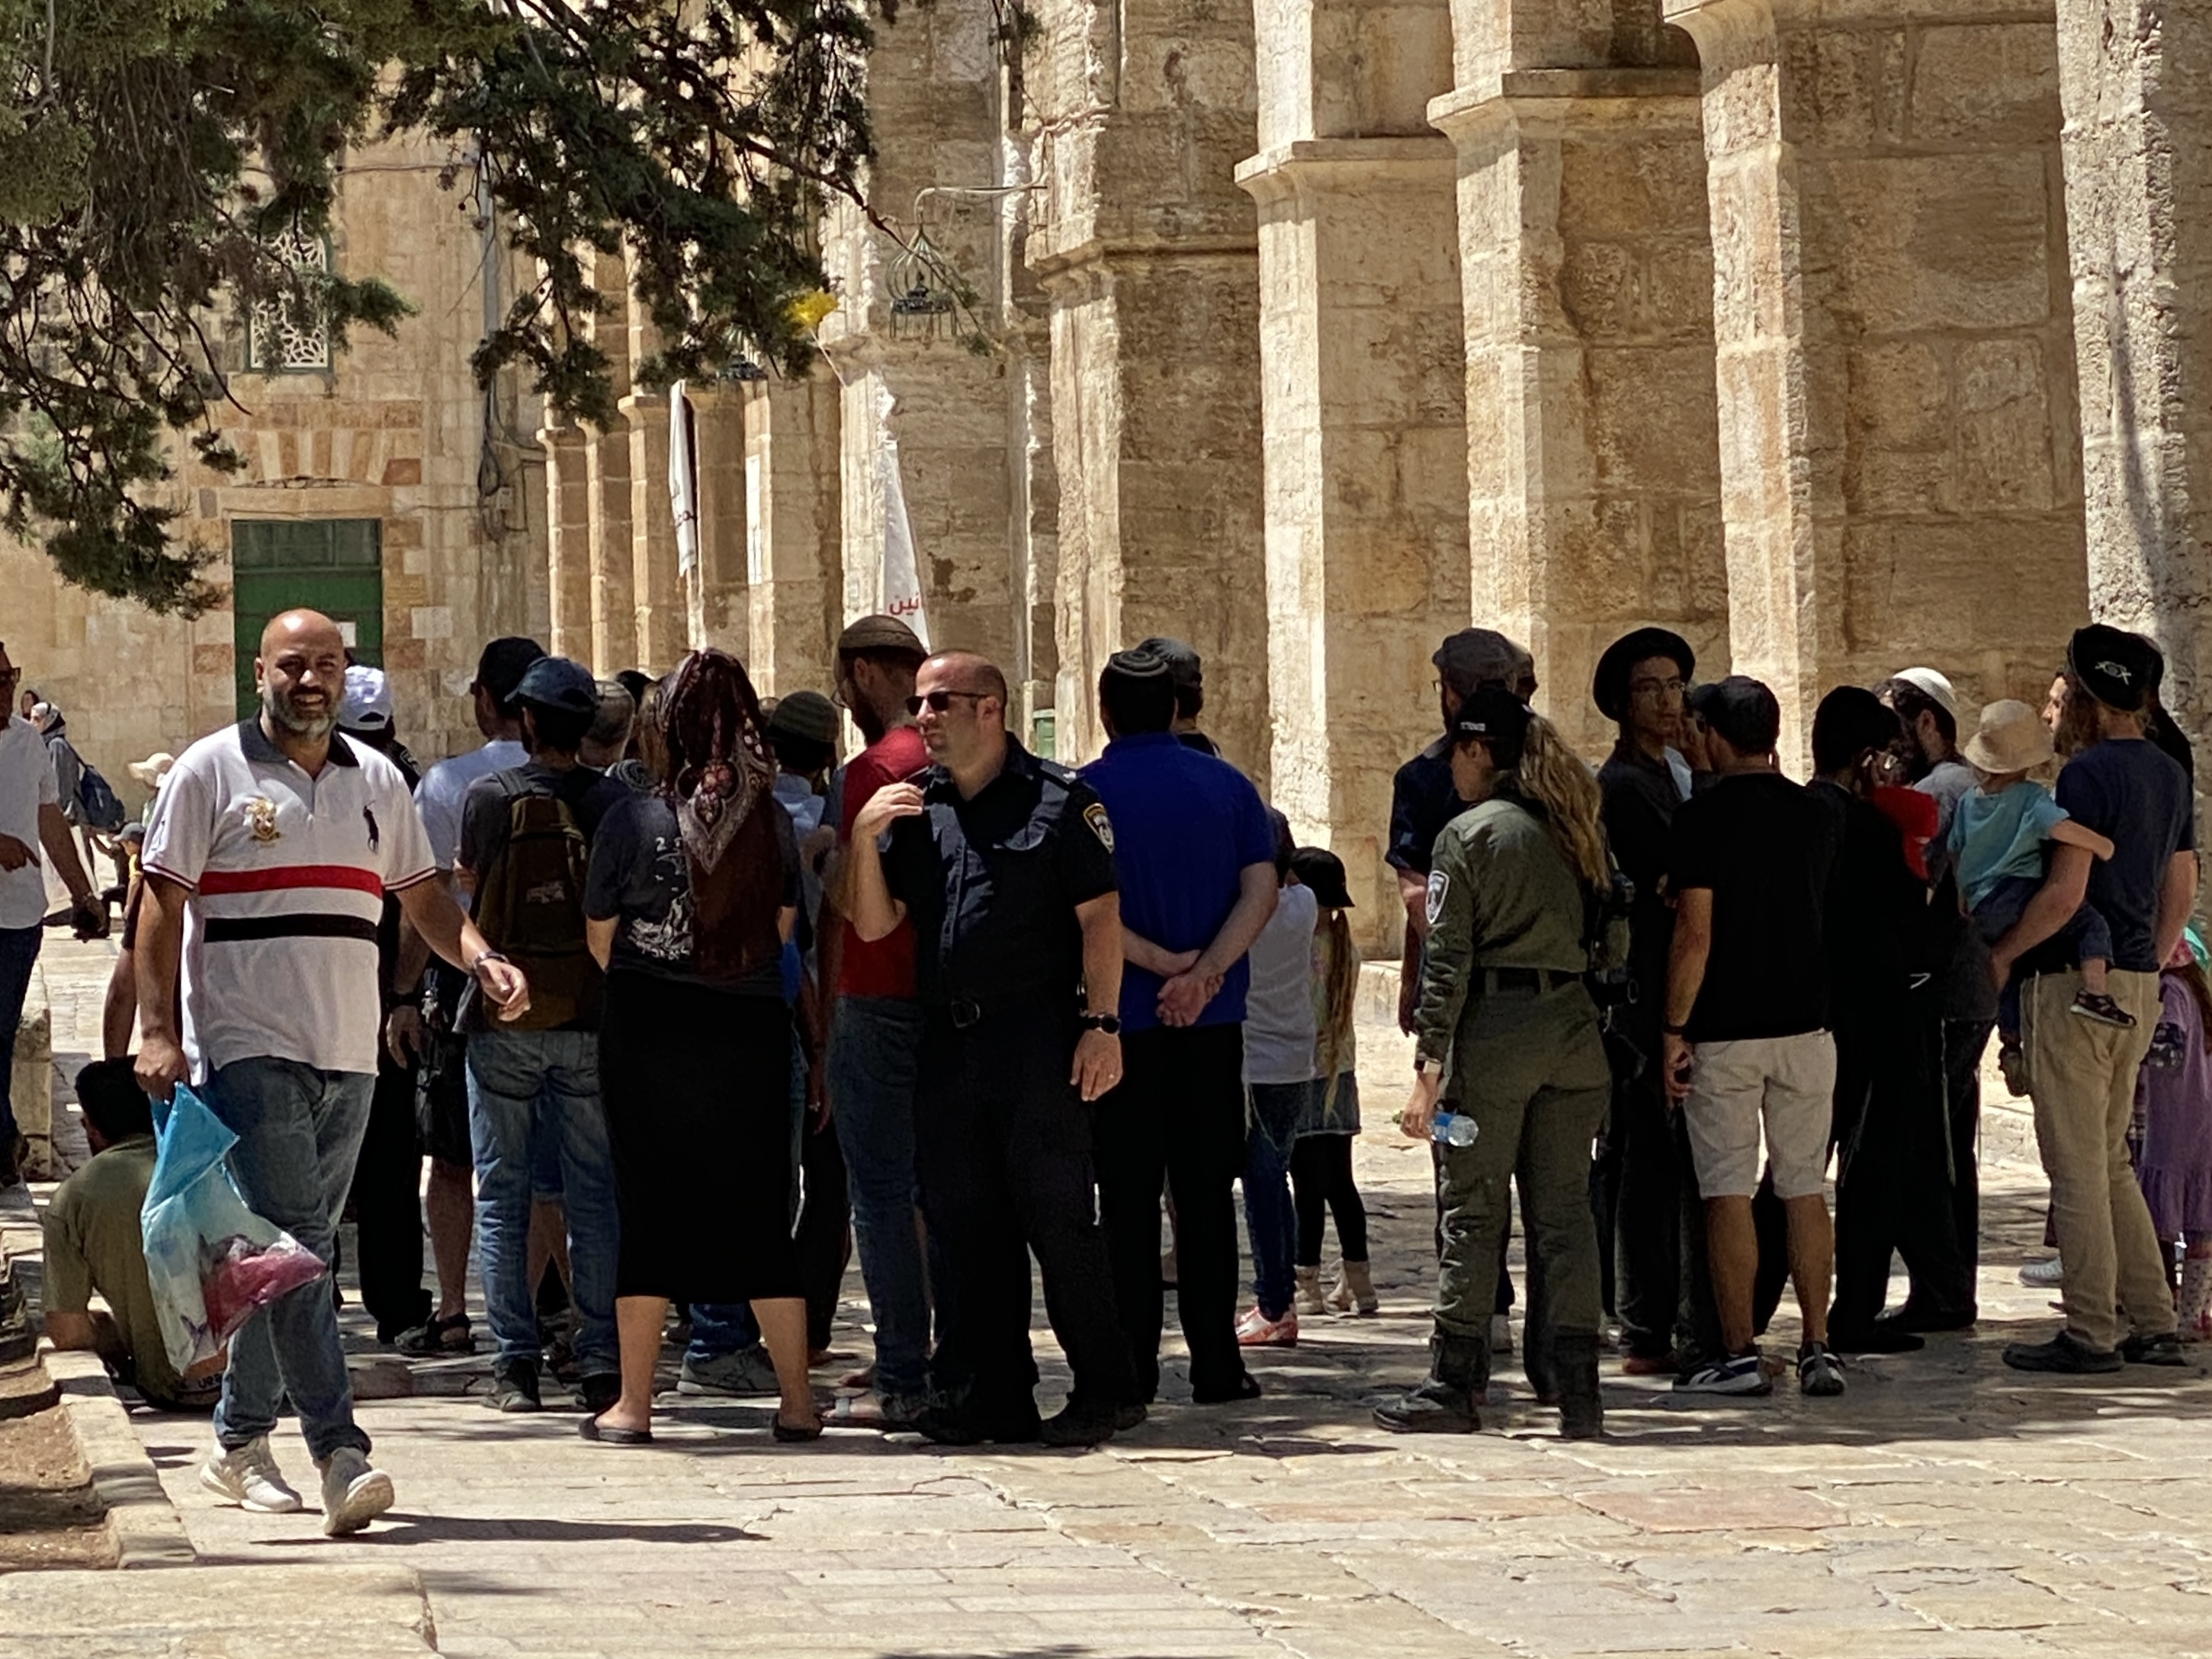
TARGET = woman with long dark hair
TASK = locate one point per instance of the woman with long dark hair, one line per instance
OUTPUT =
(693, 890)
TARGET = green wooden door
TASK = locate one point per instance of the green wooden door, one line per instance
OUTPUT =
(335, 565)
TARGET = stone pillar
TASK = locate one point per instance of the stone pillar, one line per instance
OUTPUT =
(1149, 254)
(567, 540)
(933, 381)
(789, 485)
(1593, 462)
(2138, 160)
(717, 600)
(657, 585)
(1364, 414)
(614, 642)
(1894, 343)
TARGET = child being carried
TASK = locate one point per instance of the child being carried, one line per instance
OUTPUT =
(1997, 838)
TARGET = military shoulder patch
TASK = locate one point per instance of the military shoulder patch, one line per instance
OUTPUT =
(1439, 884)
(1095, 816)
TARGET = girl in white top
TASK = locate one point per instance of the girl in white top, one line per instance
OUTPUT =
(1279, 1069)
(1320, 1159)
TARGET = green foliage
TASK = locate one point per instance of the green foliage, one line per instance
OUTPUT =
(153, 153)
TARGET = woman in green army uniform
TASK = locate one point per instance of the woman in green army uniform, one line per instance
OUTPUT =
(1507, 1035)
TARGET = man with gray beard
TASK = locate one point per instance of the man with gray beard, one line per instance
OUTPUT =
(272, 846)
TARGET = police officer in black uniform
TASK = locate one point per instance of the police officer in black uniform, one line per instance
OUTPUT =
(1006, 863)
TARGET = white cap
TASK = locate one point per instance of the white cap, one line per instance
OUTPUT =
(367, 705)
(1933, 685)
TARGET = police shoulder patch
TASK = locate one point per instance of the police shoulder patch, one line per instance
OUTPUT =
(1439, 884)
(1095, 816)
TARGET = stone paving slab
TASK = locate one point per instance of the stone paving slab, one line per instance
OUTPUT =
(1944, 1509)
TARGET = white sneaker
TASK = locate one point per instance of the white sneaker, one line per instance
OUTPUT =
(354, 1494)
(2043, 1274)
(248, 1477)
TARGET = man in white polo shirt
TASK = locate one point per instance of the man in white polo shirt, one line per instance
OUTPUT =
(273, 846)
(30, 817)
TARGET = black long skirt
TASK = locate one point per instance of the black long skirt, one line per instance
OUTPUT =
(697, 1087)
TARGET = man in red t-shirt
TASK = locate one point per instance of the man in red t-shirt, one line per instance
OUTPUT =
(875, 1030)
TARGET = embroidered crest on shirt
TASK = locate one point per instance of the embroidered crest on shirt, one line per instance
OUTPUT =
(261, 818)
(1439, 884)
(1095, 816)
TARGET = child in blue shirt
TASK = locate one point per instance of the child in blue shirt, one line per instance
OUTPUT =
(1997, 838)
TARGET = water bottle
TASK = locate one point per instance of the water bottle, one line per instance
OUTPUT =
(1452, 1129)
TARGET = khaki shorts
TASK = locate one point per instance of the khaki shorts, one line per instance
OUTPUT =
(1786, 1085)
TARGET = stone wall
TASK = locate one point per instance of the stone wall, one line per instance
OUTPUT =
(398, 432)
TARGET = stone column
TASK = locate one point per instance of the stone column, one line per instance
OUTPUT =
(657, 585)
(613, 642)
(789, 485)
(1593, 463)
(2138, 159)
(567, 540)
(1149, 254)
(717, 600)
(1364, 414)
(1894, 341)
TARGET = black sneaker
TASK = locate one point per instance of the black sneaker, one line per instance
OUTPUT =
(515, 1389)
(948, 1427)
(2064, 1352)
(2164, 1350)
(1079, 1423)
(2096, 1005)
(1246, 1386)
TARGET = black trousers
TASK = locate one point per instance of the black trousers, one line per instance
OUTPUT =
(1892, 1175)
(1964, 1040)
(825, 1231)
(1321, 1185)
(1002, 1152)
(1659, 1219)
(388, 1206)
(1178, 1115)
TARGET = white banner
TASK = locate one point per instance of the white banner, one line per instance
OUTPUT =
(901, 577)
(683, 480)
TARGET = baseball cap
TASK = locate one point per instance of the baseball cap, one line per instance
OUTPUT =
(558, 682)
(1495, 713)
(366, 705)
(1322, 871)
(2116, 668)
(879, 633)
(1476, 656)
(804, 714)
(500, 670)
(1609, 685)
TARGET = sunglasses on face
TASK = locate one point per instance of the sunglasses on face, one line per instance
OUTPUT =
(941, 701)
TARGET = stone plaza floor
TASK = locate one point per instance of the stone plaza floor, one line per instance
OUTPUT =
(1944, 1507)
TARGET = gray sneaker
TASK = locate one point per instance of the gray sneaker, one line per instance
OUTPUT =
(248, 1478)
(354, 1494)
(746, 1373)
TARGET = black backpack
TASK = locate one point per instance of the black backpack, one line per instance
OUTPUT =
(530, 906)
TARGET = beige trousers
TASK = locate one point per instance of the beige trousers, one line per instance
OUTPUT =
(2082, 1076)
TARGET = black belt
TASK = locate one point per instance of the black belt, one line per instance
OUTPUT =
(965, 1014)
(1535, 980)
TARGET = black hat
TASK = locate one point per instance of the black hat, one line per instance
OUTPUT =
(1609, 685)
(504, 662)
(2118, 669)
(1499, 718)
(1184, 664)
(1480, 656)
(1139, 662)
(1318, 868)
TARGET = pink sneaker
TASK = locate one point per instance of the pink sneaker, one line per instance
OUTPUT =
(1256, 1330)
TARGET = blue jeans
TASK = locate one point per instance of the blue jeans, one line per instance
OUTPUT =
(18, 954)
(1270, 1216)
(299, 1134)
(875, 1043)
(528, 1090)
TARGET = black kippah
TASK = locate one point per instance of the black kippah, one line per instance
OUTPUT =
(1137, 664)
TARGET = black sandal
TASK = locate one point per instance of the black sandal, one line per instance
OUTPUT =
(435, 1338)
(790, 1436)
(607, 1434)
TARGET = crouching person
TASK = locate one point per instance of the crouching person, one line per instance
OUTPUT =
(94, 1245)
(1513, 885)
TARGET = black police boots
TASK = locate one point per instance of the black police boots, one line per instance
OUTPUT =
(1458, 1368)
(1582, 1410)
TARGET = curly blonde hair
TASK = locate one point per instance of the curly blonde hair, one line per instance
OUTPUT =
(1551, 773)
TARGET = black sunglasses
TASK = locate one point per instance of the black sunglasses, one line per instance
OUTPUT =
(941, 701)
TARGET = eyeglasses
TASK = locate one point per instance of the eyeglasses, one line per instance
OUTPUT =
(1674, 687)
(941, 701)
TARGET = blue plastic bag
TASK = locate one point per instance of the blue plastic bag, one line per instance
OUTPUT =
(210, 1259)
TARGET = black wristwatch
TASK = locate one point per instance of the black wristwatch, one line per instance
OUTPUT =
(1110, 1023)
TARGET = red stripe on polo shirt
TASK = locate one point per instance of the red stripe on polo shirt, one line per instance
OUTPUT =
(285, 878)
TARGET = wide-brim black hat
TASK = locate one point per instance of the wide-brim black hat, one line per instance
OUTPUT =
(1609, 685)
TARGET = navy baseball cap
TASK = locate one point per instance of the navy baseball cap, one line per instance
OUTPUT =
(558, 682)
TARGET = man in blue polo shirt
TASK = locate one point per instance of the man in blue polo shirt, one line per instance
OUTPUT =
(1195, 857)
